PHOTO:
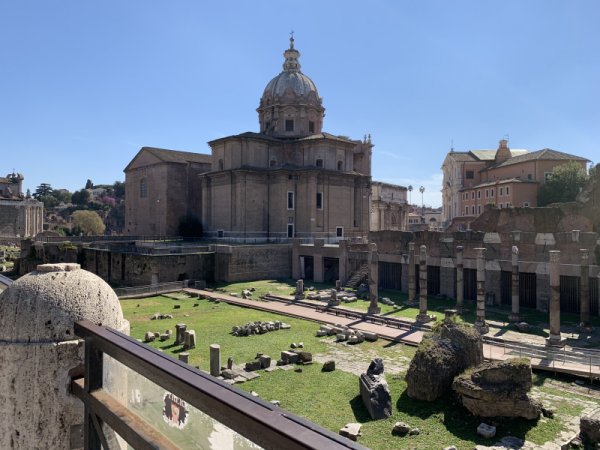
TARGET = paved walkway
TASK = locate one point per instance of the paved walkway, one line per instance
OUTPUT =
(494, 351)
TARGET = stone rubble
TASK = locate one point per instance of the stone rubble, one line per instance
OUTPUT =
(259, 327)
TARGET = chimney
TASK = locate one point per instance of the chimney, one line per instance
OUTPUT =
(503, 152)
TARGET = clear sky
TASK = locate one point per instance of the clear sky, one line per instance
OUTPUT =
(85, 84)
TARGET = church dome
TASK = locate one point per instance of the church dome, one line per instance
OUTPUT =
(290, 105)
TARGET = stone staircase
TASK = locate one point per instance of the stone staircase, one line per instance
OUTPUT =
(361, 275)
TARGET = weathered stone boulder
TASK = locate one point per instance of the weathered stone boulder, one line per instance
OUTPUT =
(589, 429)
(447, 352)
(375, 392)
(498, 389)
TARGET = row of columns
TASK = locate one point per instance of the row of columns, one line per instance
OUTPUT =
(480, 323)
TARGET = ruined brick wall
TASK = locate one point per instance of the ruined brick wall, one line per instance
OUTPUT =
(252, 262)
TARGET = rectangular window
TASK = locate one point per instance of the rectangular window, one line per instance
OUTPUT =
(492, 194)
(289, 125)
(478, 194)
(290, 200)
(507, 190)
(470, 175)
(466, 210)
(311, 126)
(473, 195)
(220, 233)
(487, 193)
(319, 162)
(319, 200)
(501, 191)
(525, 204)
(339, 231)
(473, 210)
(478, 209)
(290, 230)
(143, 188)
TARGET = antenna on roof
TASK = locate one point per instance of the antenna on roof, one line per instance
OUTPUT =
(451, 145)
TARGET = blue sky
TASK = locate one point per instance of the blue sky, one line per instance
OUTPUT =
(84, 85)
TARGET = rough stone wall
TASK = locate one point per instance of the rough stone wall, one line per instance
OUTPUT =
(252, 262)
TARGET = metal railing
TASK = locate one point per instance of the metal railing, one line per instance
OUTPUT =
(256, 420)
(155, 289)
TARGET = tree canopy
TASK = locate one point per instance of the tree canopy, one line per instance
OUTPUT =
(81, 197)
(88, 222)
(564, 184)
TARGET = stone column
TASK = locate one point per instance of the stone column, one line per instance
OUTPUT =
(299, 289)
(554, 306)
(422, 316)
(480, 324)
(343, 261)
(215, 360)
(373, 279)
(411, 273)
(318, 270)
(460, 288)
(180, 333)
(514, 315)
(584, 289)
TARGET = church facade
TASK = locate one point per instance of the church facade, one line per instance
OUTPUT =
(289, 179)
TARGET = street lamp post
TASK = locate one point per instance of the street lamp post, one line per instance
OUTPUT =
(421, 190)
(410, 188)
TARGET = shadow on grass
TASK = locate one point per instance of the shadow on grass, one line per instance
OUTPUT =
(459, 421)
(360, 410)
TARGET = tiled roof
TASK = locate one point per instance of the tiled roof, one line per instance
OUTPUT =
(489, 155)
(250, 134)
(461, 156)
(177, 156)
(498, 182)
(545, 154)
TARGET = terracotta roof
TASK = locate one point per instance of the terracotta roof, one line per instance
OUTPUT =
(461, 156)
(545, 154)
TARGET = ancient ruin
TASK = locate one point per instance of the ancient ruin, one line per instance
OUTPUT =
(375, 392)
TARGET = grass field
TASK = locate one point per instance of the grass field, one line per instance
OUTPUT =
(331, 399)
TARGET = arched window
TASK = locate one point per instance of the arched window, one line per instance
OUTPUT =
(340, 165)
(220, 164)
(143, 188)
(319, 163)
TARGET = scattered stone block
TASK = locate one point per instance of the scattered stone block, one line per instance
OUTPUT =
(230, 363)
(275, 402)
(328, 366)
(289, 357)
(341, 337)
(253, 365)
(180, 333)
(523, 327)
(271, 369)
(321, 333)
(485, 430)
(189, 339)
(149, 336)
(401, 428)
(184, 357)
(228, 374)
(265, 361)
(176, 306)
(293, 345)
(451, 447)
(285, 326)
(511, 442)
(369, 336)
(414, 432)
(300, 344)
(164, 337)
(254, 394)
(298, 369)
(239, 379)
(156, 334)
(305, 357)
(249, 375)
(351, 431)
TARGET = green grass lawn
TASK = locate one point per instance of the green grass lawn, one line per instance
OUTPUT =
(332, 399)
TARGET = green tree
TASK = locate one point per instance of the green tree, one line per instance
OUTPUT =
(41, 190)
(81, 197)
(89, 184)
(88, 222)
(118, 189)
(563, 185)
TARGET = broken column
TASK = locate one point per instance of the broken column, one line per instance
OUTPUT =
(422, 316)
(180, 333)
(584, 291)
(460, 289)
(514, 315)
(412, 295)
(215, 360)
(373, 279)
(554, 306)
(375, 392)
(480, 324)
(299, 289)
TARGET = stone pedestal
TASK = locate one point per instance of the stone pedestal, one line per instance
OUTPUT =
(514, 313)
(184, 357)
(554, 306)
(215, 360)
(460, 288)
(584, 290)
(373, 279)
(480, 323)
